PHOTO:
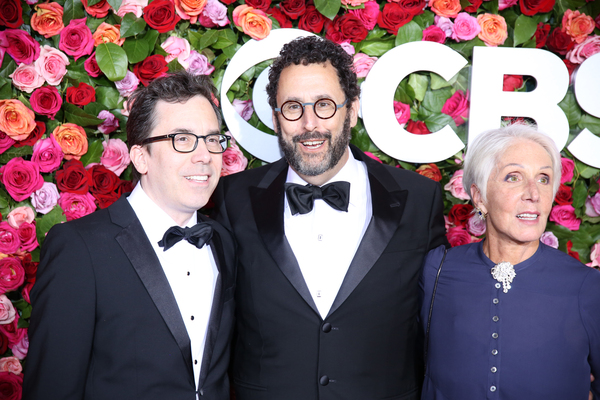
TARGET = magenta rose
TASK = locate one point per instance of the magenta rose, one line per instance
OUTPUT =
(76, 205)
(47, 154)
(45, 198)
(465, 27)
(76, 39)
(28, 237)
(198, 64)
(458, 236)
(52, 65)
(11, 364)
(7, 311)
(566, 170)
(455, 186)
(6, 142)
(233, 160)
(26, 78)
(363, 64)
(9, 239)
(110, 123)
(434, 34)
(13, 333)
(549, 239)
(402, 112)
(19, 45)
(21, 178)
(115, 156)
(91, 66)
(127, 85)
(368, 15)
(21, 348)
(46, 101)
(565, 216)
(457, 107)
(11, 386)
(12, 274)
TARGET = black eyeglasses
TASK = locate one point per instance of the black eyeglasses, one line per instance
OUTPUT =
(293, 110)
(216, 143)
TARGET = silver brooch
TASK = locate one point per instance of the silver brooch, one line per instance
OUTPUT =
(504, 272)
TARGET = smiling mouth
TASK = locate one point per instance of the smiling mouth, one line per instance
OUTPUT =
(197, 178)
(313, 144)
(527, 216)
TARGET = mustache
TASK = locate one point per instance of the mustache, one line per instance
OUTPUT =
(312, 136)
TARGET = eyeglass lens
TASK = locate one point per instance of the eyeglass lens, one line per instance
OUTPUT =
(324, 108)
(186, 142)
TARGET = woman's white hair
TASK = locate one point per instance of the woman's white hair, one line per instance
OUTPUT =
(486, 150)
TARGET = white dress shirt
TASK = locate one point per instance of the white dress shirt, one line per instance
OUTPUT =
(325, 240)
(191, 272)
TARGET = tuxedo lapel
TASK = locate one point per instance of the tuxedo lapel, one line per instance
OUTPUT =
(267, 205)
(135, 245)
(388, 205)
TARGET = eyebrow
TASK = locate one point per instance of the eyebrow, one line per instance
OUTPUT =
(184, 130)
(315, 98)
(521, 166)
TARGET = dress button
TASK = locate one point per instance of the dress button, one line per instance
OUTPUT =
(326, 327)
(495, 318)
(494, 352)
(494, 369)
(498, 285)
(495, 335)
(201, 392)
(324, 380)
(495, 301)
(492, 388)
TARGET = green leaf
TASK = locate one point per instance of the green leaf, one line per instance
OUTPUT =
(131, 26)
(136, 50)
(571, 108)
(563, 5)
(77, 116)
(437, 121)
(219, 61)
(419, 84)
(591, 123)
(150, 38)
(410, 32)
(376, 33)
(115, 4)
(434, 99)
(425, 19)
(209, 38)
(491, 6)
(15, 152)
(94, 23)
(174, 66)
(377, 48)
(112, 60)
(5, 89)
(231, 50)
(93, 108)
(108, 97)
(466, 48)
(9, 67)
(579, 194)
(73, 9)
(437, 82)
(329, 8)
(43, 224)
(226, 39)
(524, 29)
(93, 2)
(94, 152)
(585, 171)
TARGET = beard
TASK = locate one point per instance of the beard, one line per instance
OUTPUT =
(309, 164)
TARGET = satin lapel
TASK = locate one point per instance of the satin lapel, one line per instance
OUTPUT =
(388, 205)
(135, 244)
(267, 205)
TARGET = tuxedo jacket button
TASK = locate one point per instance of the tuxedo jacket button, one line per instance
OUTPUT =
(324, 380)
(326, 327)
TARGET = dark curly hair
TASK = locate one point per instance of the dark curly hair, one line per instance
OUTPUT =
(314, 50)
(178, 87)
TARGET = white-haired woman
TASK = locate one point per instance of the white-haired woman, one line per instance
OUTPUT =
(510, 318)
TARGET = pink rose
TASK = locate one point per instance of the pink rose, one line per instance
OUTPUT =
(21, 348)
(353, 3)
(233, 160)
(476, 226)
(19, 45)
(127, 85)
(595, 256)
(465, 27)
(52, 65)
(76, 205)
(110, 123)
(76, 39)
(91, 66)
(565, 215)
(115, 156)
(566, 170)
(13, 333)
(368, 15)
(45, 198)
(458, 236)
(348, 48)
(46, 101)
(12, 274)
(503, 4)
(132, 6)
(457, 107)
(549, 239)
(434, 34)
(20, 215)
(177, 48)
(47, 154)
(11, 364)
(592, 205)
(28, 236)
(444, 24)
(577, 25)
(584, 50)
(402, 112)
(26, 78)
(455, 186)
(7, 313)
(21, 178)
(363, 64)
(6, 142)
(243, 108)
(213, 15)
(198, 64)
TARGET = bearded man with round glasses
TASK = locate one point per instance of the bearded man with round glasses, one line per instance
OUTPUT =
(136, 300)
(330, 245)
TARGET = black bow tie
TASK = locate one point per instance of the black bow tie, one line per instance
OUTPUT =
(301, 198)
(197, 235)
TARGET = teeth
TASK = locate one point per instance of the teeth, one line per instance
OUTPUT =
(314, 143)
(201, 178)
(527, 216)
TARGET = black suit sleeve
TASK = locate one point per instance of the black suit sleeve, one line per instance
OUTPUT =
(62, 321)
(437, 230)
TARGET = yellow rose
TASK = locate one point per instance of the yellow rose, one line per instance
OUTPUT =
(445, 8)
(72, 140)
(16, 120)
(106, 33)
(254, 23)
(47, 19)
(493, 29)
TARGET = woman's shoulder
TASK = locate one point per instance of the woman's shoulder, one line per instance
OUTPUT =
(458, 253)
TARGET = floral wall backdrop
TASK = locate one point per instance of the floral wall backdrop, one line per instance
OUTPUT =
(69, 66)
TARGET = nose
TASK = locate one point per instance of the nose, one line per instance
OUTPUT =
(531, 192)
(309, 119)
(201, 153)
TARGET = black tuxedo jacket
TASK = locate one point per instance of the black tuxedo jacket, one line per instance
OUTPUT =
(105, 323)
(367, 346)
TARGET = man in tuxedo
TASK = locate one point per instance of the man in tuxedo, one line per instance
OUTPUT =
(330, 245)
(135, 301)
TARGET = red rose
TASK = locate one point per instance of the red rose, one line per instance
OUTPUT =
(532, 7)
(564, 195)
(228, 2)
(352, 28)
(11, 386)
(11, 13)
(293, 8)
(392, 17)
(572, 253)
(430, 171)
(81, 95)
(124, 187)
(73, 178)
(332, 31)
(262, 5)
(512, 82)
(541, 35)
(458, 236)
(571, 67)
(460, 213)
(102, 180)
(106, 199)
(474, 6)
(284, 21)
(34, 136)
(46, 101)
(3, 346)
(417, 127)
(91, 66)
(98, 10)
(434, 33)
(29, 267)
(161, 15)
(28, 237)
(151, 68)
(312, 20)
(416, 7)
(12, 276)
(21, 178)
(559, 42)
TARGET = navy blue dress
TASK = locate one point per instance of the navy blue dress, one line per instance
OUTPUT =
(541, 340)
